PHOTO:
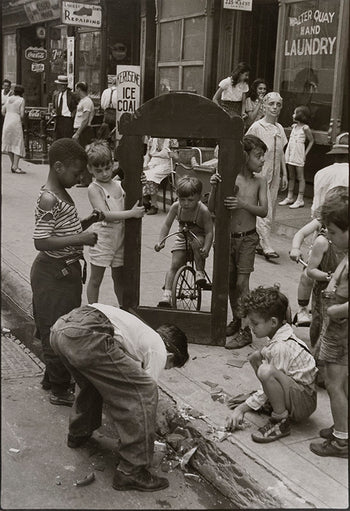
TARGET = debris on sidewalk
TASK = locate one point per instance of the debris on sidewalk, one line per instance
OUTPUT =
(237, 362)
(188, 475)
(58, 481)
(210, 384)
(12, 449)
(5, 330)
(186, 457)
(90, 478)
(219, 395)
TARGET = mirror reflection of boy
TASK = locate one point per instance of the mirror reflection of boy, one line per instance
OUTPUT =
(248, 202)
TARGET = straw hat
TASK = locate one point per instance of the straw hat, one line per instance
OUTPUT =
(62, 80)
(341, 145)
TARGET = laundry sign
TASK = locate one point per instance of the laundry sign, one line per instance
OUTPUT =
(86, 15)
(239, 5)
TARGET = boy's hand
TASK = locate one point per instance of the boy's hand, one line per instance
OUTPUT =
(88, 238)
(159, 246)
(233, 202)
(215, 179)
(137, 211)
(96, 216)
(204, 252)
(235, 420)
(143, 178)
(284, 182)
(295, 254)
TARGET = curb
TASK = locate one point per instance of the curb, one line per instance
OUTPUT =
(216, 466)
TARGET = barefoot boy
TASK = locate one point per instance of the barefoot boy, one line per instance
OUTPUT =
(285, 367)
(248, 203)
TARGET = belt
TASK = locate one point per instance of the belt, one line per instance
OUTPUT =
(242, 234)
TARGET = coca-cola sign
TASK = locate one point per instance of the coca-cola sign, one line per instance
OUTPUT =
(35, 54)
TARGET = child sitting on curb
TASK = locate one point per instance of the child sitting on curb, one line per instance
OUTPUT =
(285, 367)
(246, 202)
(193, 215)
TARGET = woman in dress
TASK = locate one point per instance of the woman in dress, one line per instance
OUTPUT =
(12, 132)
(254, 105)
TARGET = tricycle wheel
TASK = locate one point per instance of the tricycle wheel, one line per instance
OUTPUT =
(186, 294)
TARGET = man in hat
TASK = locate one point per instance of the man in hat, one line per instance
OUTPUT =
(65, 104)
(334, 175)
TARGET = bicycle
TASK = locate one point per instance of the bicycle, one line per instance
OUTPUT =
(186, 294)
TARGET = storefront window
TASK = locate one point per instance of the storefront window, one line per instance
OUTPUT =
(9, 60)
(308, 64)
(57, 64)
(182, 42)
(89, 62)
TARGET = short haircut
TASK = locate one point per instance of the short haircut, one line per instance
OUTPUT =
(82, 85)
(7, 81)
(18, 90)
(175, 342)
(188, 186)
(251, 142)
(335, 209)
(98, 152)
(302, 114)
(267, 302)
(66, 150)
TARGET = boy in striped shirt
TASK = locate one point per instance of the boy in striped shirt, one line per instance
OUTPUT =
(56, 277)
(285, 367)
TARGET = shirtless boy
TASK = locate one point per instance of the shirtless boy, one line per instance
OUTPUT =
(248, 201)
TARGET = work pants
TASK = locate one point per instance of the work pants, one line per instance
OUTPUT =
(264, 225)
(84, 339)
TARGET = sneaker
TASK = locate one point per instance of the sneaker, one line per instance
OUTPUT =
(142, 480)
(77, 441)
(286, 202)
(330, 447)
(326, 432)
(233, 327)
(200, 277)
(273, 430)
(242, 338)
(152, 211)
(297, 204)
(302, 317)
(66, 399)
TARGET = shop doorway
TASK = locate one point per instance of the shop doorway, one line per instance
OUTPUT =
(30, 77)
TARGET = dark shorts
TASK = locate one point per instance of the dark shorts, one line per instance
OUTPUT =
(242, 253)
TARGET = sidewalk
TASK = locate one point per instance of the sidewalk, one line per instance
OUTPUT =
(283, 474)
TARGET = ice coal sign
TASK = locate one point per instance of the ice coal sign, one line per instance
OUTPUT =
(128, 89)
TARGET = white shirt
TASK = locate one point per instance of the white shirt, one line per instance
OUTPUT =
(288, 356)
(325, 179)
(231, 93)
(65, 110)
(4, 97)
(140, 341)
(106, 97)
(84, 105)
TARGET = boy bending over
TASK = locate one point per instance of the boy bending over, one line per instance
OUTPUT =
(285, 367)
(247, 202)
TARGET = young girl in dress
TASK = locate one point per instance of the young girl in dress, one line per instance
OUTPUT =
(109, 195)
(231, 94)
(254, 105)
(296, 155)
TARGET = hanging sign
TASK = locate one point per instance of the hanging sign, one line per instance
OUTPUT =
(42, 10)
(85, 15)
(70, 62)
(128, 90)
(37, 67)
(239, 5)
(35, 54)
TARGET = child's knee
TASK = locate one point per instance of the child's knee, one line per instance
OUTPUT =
(265, 372)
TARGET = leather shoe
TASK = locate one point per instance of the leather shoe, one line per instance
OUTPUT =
(76, 441)
(66, 399)
(142, 480)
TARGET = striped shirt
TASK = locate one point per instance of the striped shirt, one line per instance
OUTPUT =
(61, 220)
(288, 354)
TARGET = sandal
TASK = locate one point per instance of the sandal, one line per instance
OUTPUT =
(17, 171)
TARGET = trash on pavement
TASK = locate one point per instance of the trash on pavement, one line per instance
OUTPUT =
(169, 465)
(90, 478)
(210, 384)
(237, 362)
(188, 475)
(160, 446)
(5, 330)
(71, 468)
(218, 395)
(58, 481)
(12, 449)
(186, 457)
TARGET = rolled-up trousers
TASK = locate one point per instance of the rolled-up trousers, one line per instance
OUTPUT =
(84, 340)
